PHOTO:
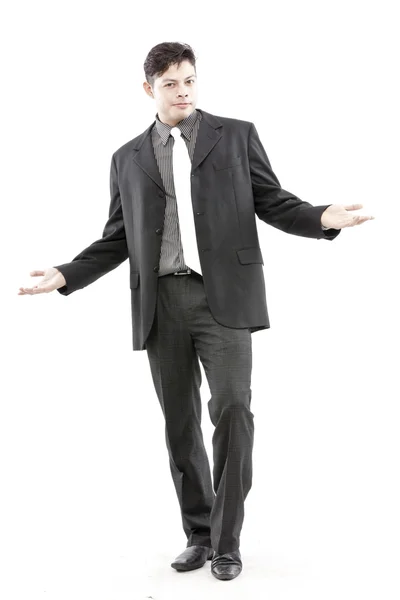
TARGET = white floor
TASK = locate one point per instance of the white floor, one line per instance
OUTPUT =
(85, 571)
(88, 509)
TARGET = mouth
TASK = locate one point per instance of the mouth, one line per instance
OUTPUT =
(182, 105)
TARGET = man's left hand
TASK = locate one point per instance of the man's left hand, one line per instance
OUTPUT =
(337, 216)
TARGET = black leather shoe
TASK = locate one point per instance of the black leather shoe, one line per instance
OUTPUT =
(226, 566)
(193, 557)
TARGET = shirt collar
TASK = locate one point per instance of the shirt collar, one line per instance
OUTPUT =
(186, 126)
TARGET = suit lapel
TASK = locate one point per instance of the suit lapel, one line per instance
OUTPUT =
(207, 136)
(209, 133)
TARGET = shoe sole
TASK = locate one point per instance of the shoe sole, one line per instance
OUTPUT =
(226, 577)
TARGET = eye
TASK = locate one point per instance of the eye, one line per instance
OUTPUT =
(168, 84)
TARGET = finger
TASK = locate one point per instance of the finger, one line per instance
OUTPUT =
(34, 290)
(36, 273)
(358, 220)
(353, 206)
(363, 219)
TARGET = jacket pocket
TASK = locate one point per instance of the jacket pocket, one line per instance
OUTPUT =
(250, 255)
(134, 279)
(226, 163)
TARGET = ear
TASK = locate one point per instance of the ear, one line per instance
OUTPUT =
(147, 88)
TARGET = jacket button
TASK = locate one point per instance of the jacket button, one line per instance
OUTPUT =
(158, 231)
(161, 194)
(156, 269)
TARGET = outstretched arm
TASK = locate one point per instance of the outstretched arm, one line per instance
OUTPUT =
(278, 207)
(103, 255)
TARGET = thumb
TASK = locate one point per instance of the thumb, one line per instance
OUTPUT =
(36, 273)
(353, 206)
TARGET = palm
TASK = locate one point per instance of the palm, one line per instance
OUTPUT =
(52, 280)
(338, 216)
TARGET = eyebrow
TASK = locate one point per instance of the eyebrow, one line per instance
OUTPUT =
(188, 77)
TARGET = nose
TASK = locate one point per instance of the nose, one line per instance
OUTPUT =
(182, 94)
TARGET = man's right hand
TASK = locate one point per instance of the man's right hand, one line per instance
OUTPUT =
(52, 280)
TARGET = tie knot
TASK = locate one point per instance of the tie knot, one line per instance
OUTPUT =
(175, 132)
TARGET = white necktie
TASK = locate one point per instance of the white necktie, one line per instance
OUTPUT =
(182, 167)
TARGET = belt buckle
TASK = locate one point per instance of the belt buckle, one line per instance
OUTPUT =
(187, 272)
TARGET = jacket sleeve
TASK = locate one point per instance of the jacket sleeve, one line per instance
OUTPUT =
(276, 206)
(103, 255)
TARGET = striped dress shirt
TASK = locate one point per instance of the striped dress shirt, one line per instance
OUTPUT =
(171, 257)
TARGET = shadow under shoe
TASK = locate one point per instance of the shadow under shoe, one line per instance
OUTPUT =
(193, 557)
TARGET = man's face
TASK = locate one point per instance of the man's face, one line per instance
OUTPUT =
(176, 85)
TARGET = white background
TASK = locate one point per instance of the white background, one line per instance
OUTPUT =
(88, 508)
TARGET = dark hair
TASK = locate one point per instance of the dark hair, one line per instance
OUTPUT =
(162, 56)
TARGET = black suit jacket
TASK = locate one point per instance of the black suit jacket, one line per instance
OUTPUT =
(232, 182)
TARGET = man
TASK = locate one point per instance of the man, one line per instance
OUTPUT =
(186, 221)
